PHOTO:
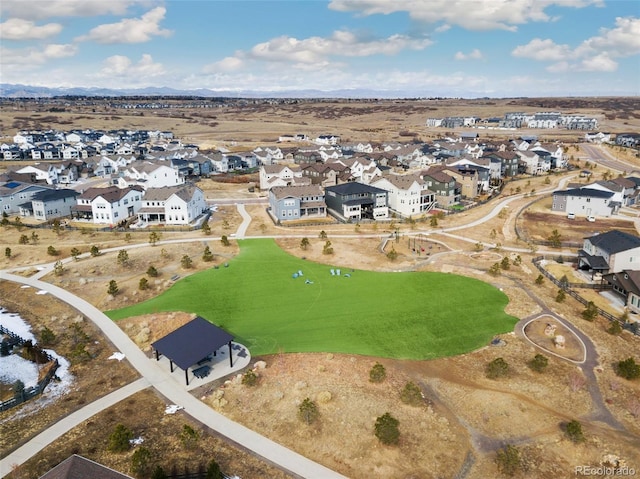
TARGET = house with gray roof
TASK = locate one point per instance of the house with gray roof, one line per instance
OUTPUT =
(15, 193)
(356, 201)
(75, 467)
(109, 205)
(610, 252)
(297, 202)
(585, 202)
(409, 195)
(627, 284)
(50, 204)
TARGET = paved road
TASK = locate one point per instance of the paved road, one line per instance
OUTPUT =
(151, 371)
(601, 156)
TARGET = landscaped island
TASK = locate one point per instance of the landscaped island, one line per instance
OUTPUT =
(327, 308)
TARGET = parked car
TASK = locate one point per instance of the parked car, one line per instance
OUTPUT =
(591, 218)
(571, 216)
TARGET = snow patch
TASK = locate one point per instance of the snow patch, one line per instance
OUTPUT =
(117, 355)
(42, 291)
(172, 409)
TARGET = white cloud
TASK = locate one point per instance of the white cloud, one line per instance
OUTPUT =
(594, 54)
(228, 64)
(342, 43)
(19, 29)
(130, 30)
(33, 57)
(475, 54)
(31, 10)
(122, 66)
(476, 15)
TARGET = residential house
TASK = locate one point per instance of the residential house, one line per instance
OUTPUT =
(627, 284)
(408, 195)
(172, 205)
(280, 175)
(597, 137)
(467, 177)
(44, 172)
(152, 175)
(447, 190)
(585, 202)
(533, 163)
(327, 140)
(508, 162)
(109, 205)
(615, 188)
(630, 140)
(356, 201)
(219, 163)
(610, 252)
(630, 190)
(14, 193)
(327, 174)
(297, 202)
(75, 467)
(50, 204)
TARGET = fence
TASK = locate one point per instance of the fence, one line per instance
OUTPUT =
(30, 392)
(567, 287)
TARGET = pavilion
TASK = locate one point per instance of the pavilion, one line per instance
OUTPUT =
(191, 344)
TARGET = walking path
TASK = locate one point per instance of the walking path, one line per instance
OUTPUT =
(152, 372)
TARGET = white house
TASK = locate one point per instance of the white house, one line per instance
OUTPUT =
(42, 172)
(408, 194)
(109, 205)
(585, 202)
(280, 175)
(152, 175)
(610, 252)
(172, 205)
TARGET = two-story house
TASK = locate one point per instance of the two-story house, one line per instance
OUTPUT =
(356, 201)
(610, 252)
(408, 196)
(281, 175)
(585, 202)
(172, 205)
(108, 205)
(50, 204)
(288, 203)
(447, 190)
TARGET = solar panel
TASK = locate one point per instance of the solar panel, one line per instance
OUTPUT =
(12, 184)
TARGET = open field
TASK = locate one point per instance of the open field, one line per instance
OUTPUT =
(401, 315)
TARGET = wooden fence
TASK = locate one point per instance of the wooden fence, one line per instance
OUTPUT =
(32, 391)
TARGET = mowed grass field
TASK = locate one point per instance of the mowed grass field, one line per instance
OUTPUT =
(405, 315)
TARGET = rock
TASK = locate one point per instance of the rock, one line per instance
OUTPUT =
(322, 368)
(260, 365)
(78, 319)
(329, 356)
(324, 397)
(82, 281)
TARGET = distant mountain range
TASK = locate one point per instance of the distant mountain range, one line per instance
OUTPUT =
(28, 91)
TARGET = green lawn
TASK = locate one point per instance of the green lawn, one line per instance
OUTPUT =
(396, 315)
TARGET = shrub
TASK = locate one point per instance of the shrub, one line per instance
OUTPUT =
(323, 234)
(224, 240)
(95, 251)
(327, 249)
(47, 336)
(207, 255)
(539, 363)
(51, 251)
(628, 369)
(561, 296)
(154, 237)
(497, 368)
(304, 243)
(591, 311)
(140, 461)
(386, 429)
(615, 328)
(393, 254)
(189, 436)
(206, 229)
(378, 373)
(539, 279)
(186, 262)
(508, 460)
(411, 394)
(143, 285)
(250, 378)
(123, 257)
(495, 269)
(75, 252)
(119, 439)
(505, 264)
(58, 268)
(573, 430)
(308, 411)
(7, 252)
(112, 289)
(213, 470)
(152, 271)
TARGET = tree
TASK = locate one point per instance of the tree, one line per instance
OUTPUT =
(250, 378)
(378, 373)
(615, 328)
(152, 271)
(158, 473)
(143, 284)
(327, 249)
(119, 439)
(493, 234)
(154, 237)
(356, 228)
(5, 219)
(304, 243)
(561, 296)
(18, 223)
(323, 235)
(628, 369)
(411, 394)
(573, 430)
(95, 251)
(75, 252)
(225, 224)
(213, 470)
(34, 237)
(505, 263)
(51, 251)
(503, 213)
(555, 238)
(24, 239)
(207, 255)
(518, 260)
(224, 240)
(539, 363)
(123, 257)
(113, 288)
(141, 461)
(189, 436)
(479, 247)
(56, 226)
(539, 280)
(433, 221)
(7, 252)
(590, 312)
(58, 268)
(47, 336)
(494, 270)
(18, 389)
(127, 238)
(206, 229)
(393, 254)
(497, 368)
(386, 429)
(308, 411)
(508, 460)
(186, 261)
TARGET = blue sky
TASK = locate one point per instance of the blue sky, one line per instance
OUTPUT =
(466, 48)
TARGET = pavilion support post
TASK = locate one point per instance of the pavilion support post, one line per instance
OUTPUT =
(171, 365)
(157, 355)
(230, 355)
(186, 375)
